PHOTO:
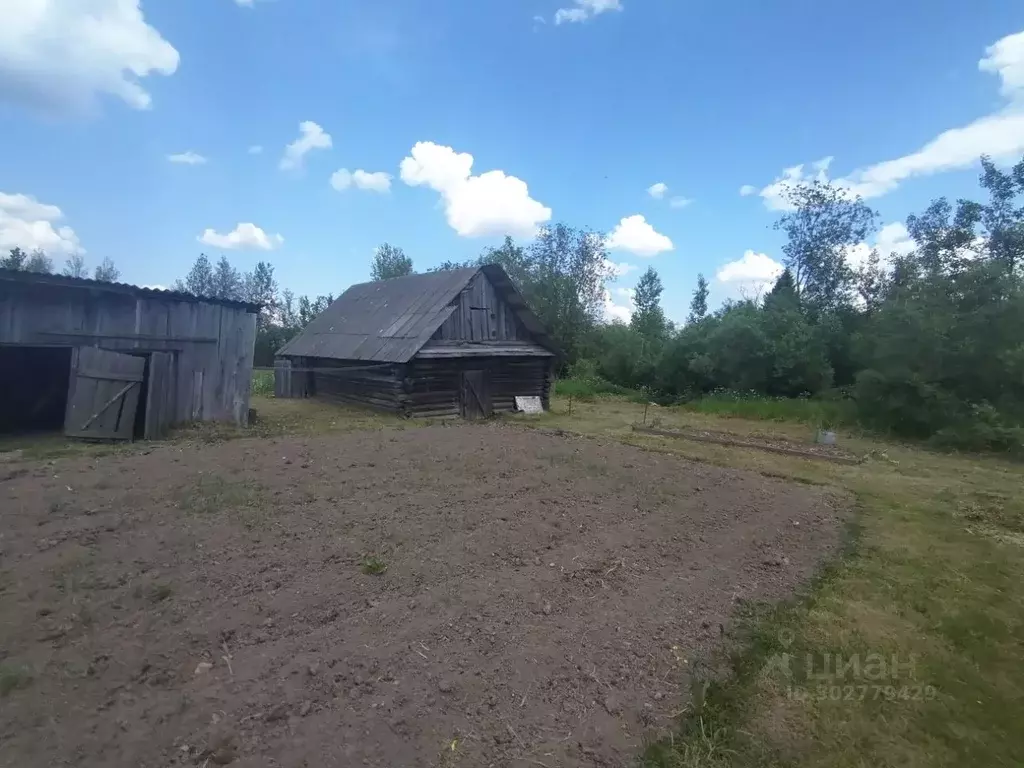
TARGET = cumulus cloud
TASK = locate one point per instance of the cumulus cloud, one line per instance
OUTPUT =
(680, 202)
(475, 206)
(747, 189)
(618, 269)
(28, 224)
(751, 275)
(62, 56)
(581, 10)
(635, 235)
(1005, 58)
(242, 237)
(657, 191)
(619, 305)
(892, 239)
(311, 136)
(774, 195)
(377, 181)
(999, 134)
(187, 158)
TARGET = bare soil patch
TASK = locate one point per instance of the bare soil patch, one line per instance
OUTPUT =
(471, 596)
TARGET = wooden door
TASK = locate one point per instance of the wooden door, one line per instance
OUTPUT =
(161, 389)
(476, 395)
(104, 394)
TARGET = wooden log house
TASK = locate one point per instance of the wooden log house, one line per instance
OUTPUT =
(457, 342)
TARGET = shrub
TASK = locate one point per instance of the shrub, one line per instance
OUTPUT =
(263, 382)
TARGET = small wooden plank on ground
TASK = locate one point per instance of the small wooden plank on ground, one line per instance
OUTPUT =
(739, 443)
(529, 405)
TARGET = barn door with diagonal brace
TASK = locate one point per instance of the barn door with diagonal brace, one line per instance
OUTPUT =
(476, 396)
(104, 393)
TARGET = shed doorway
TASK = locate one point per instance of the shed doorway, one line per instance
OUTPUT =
(33, 389)
(476, 395)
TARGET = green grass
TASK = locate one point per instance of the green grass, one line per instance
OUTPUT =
(373, 565)
(591, 387)
(13, 677)
(830, 413)
(932, 576)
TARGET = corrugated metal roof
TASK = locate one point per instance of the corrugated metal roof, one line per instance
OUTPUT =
(21, 276)
(389, 321)
(386, 321)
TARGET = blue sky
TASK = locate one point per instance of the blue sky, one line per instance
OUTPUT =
(104, 102)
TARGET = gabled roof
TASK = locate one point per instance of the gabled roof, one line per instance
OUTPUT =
(389, 321)
(39, 278)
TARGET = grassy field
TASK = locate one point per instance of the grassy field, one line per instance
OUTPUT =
(908, 652)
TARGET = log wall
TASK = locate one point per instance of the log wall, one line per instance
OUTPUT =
(427, 387)
(435, 385)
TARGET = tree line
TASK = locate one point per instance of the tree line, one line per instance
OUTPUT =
(39, 261)
(928, 344)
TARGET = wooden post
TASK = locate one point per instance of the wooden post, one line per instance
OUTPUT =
(646, 406)
(282, 378)
(570, 405)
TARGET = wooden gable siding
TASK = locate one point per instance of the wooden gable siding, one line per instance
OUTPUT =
(480, 315)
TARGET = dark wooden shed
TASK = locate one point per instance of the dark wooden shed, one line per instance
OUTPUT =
(115, 361)
(449, 343)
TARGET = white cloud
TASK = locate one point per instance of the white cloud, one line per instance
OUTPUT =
(1005, 58)
(774, 195)
(245, 3)
(28, 224)
(657, 191)
(539, 20)
(619, 311)
(244, 236)
(570, 15)
(679, 202)
(187, 158)
(747, 189)
(751, 275)
(618, 269)
(635, 235)
(999, 134)
(378, 181)
(61, 56)
(256, 149)
(475, 206)
(311, 136)
(584, 9)
(892, 238)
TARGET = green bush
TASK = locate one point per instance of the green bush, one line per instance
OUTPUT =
(263, 382)
(584, 383)
(825, 412)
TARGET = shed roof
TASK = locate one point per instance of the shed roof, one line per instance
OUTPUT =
(136, 291)
(389, 321)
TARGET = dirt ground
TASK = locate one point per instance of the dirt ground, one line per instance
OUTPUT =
(542, 602)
